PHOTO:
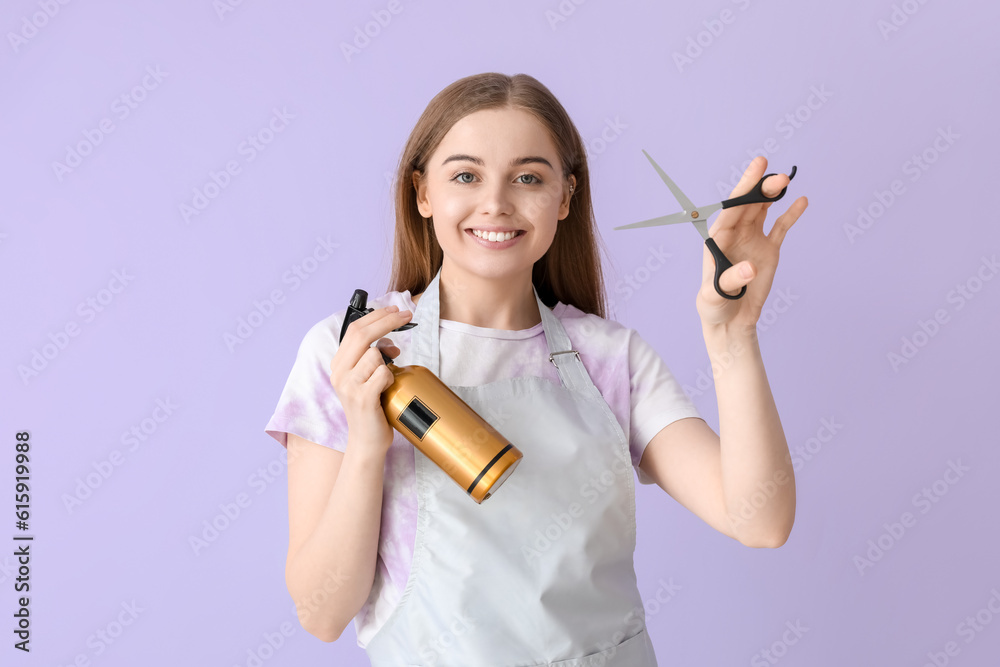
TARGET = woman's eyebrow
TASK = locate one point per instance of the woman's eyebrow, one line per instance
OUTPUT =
(516, 162)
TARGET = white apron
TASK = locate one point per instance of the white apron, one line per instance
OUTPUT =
(541, 573)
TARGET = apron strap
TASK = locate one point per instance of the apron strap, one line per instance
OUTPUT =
(567, 361)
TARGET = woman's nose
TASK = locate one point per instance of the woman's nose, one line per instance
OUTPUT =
(496, 199)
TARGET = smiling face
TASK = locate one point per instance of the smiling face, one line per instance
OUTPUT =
(496, 170)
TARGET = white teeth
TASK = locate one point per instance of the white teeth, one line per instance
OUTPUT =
(493, 236)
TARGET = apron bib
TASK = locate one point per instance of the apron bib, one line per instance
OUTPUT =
(540, 573)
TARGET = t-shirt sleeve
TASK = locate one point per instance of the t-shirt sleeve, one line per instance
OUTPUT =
(308, 406)
(656, 399)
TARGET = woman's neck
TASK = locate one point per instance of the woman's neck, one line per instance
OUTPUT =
(493, 304)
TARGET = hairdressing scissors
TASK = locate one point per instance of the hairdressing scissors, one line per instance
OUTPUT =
(698, 216)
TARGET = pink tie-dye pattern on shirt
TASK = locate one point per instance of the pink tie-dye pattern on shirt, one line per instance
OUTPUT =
(633, 379)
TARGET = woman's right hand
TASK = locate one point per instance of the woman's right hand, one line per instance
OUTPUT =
(359, 375)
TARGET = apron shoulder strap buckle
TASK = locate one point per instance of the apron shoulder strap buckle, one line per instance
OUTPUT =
(563, 352)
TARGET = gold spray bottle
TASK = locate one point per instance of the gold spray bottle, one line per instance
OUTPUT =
(440, 424)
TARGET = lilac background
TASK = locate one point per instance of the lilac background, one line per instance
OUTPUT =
(326, 174)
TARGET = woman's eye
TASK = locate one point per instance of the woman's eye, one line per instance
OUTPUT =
(532, 179)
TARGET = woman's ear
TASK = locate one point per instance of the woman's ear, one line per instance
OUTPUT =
(423, 204)
(568, 191)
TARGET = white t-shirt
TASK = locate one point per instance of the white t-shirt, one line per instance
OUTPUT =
(633, 379)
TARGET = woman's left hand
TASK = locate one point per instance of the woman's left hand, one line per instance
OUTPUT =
(739, 233)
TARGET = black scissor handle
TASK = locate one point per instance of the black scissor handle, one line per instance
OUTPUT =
(756, 194)
(721, 264)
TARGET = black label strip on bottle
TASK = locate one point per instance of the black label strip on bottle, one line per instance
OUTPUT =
(487, 468)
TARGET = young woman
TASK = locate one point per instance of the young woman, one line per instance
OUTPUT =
(496, 261)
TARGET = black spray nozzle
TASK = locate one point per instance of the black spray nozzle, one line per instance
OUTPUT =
(359, 300)
(356, 310)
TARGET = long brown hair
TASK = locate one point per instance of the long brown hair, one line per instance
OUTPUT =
(570, 271)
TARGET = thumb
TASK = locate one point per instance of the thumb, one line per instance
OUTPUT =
(736, 276)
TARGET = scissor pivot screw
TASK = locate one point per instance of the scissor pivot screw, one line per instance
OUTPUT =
(694, 214)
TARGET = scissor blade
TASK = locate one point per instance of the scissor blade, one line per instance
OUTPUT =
(686, 203)
(671, 219)
(702, 227)
(701, 222)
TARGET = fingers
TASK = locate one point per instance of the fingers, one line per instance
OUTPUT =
(786, 220)
(748, 214)
(386, 345)
(370, 363)
(377, 324)
(733, 278)
(775, 184)
(750, 177)
(754, 215)
(362, 332)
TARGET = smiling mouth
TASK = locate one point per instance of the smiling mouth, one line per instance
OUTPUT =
(494, 236)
